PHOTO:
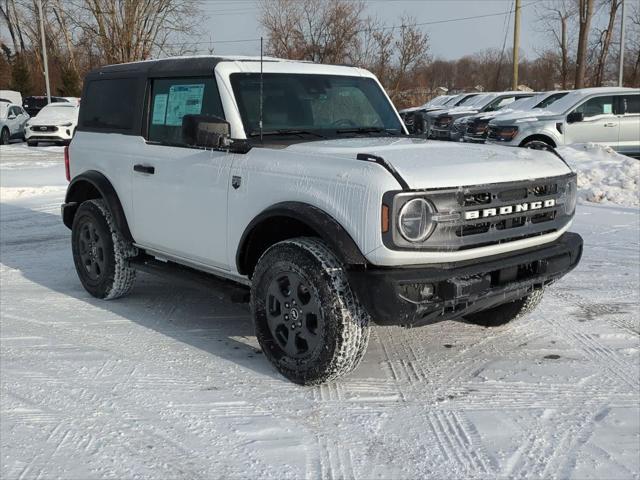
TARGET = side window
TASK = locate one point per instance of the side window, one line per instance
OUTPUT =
(596, 106)
(110, 105)
(631, 104)
(172, 99)
(12, 112)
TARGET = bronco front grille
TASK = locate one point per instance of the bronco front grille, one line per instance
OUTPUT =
(470, 217)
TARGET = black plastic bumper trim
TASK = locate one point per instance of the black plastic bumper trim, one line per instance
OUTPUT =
(465, 287)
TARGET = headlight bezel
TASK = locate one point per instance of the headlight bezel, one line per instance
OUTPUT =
(427, 210)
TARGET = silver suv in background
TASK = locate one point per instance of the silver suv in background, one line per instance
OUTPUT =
(607, 116)
(475, 126)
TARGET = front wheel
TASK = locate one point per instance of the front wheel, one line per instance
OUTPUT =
(538, 145)
(308, 321)
(507, 312)
(100, 253)
(4, 136)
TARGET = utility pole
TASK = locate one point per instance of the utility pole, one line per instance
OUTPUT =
(44, 53)
(621, 67)
(516, 45)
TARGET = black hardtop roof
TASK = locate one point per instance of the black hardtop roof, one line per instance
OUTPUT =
(182, 66)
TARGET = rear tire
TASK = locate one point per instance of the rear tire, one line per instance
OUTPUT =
(101, 253)
(507, 312)
(308, 322)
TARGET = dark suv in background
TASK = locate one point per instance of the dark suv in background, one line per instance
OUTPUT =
(34, 104)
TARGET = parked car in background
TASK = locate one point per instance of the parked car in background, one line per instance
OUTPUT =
(487, 102)
(12, 121)
(475, 126)
(55, 123)
(459, 101)
(606, 115)
(11, 96)
(34, 104)
(413, 117)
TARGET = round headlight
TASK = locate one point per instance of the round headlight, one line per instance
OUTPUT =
(415, 220)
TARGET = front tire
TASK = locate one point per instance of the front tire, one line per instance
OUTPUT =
(4, 136)
(100, 252)
(308, 321)
(507, 312)
(538, 145)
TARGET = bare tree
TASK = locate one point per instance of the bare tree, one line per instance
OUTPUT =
(604, 42)
(555, 18)
(324, 31)
(129, 30)
(585, 14)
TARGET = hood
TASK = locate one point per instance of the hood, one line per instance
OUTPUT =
(55, 116)
(432, 164)
(527, 116)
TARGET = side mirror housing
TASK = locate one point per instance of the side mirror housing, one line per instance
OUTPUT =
(574, 117)
(205, 131)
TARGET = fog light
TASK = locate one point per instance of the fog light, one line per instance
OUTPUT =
(416, 292)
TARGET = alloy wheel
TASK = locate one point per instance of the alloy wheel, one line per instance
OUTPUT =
(293, 315)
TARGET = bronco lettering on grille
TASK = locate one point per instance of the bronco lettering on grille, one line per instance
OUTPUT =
(509, 209)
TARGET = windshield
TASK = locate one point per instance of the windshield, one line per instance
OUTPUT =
(550, 99)
(471, 100)
(568, 101)
(322, 105)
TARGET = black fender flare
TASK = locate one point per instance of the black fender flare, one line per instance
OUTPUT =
(314, 218)
(80, 189)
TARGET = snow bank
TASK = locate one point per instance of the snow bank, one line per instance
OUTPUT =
(14, 193)
(604, 176)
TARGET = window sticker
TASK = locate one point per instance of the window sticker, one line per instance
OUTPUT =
(183, 100)
(159, 109)
(607, 108)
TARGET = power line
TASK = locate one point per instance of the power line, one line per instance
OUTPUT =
(391, 27)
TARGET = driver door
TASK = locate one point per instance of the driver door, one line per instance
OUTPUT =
(600, 123)
(180, 192)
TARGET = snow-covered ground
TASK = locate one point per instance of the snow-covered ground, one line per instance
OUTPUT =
(169, 382)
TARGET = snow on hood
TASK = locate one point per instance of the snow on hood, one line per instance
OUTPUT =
(55, 115)
(532, 115)
(433, 164)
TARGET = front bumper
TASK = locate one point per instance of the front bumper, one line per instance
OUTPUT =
(480, 138)
(464, 287)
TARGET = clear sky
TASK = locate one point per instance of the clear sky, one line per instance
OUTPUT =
(231, 20)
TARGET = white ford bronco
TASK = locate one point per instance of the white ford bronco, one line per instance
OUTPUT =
(296, 187)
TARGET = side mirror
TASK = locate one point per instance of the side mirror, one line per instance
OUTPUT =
(207, 131)
(574, 117)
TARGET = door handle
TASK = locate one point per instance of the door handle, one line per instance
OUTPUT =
(610, 124)
(144, 169)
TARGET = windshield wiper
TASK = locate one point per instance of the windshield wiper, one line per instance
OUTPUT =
(368, 130)
(286, 131)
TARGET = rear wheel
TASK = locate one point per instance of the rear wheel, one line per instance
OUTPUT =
(505, 313)
(308, 322)
(100, 253)
(4, 136)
